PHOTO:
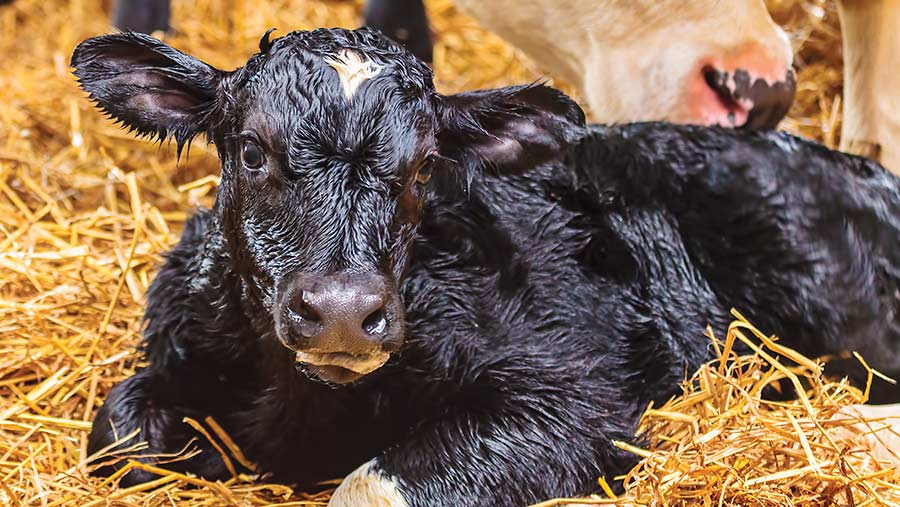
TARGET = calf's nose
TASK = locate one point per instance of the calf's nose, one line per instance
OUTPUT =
(346, 313)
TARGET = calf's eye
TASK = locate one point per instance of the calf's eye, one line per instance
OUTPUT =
(252, 155)
(423, 173)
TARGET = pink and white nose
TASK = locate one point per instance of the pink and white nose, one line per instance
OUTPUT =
(745, 88)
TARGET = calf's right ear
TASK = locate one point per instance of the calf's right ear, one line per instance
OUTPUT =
(149, 86)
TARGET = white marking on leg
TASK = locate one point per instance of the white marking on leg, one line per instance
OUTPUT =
(352, 70)
(366, 487)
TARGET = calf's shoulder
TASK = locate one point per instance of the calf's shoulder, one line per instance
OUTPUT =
(194, 316)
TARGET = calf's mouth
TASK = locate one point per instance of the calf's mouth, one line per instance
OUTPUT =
(361, 364)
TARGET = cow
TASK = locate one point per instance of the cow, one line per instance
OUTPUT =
(463, 299)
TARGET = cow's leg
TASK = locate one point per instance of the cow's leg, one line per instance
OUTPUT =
(145, 16)
(155, 402)
(405, 21)
(871, 124)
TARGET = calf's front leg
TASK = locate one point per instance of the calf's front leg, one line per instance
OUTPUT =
(154, 402)
(512, 457)
(369, 485)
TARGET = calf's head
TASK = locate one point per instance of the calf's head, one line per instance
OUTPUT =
(328, 140)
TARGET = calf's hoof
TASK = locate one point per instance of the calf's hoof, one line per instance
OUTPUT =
(367, 486)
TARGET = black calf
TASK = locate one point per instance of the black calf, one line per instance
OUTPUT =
(466, 297)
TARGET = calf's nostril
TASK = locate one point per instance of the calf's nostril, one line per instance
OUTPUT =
(302, 310)
(376, 322)
(345, 311)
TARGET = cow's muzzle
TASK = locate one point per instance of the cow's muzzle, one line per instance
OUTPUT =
(751, 102)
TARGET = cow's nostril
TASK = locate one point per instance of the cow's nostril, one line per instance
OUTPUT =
(714, 78)
(717, 80)
(376, 322)
(746, 100)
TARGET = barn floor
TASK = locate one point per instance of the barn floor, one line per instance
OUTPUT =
(86, 211)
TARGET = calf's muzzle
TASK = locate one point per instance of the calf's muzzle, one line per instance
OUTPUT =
(342, 326)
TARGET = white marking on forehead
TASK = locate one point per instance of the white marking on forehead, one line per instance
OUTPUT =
(352, 70)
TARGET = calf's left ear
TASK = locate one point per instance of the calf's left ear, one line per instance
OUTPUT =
(149, 86)
(508, 129)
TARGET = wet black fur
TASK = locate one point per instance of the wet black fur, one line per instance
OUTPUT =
(556, 278)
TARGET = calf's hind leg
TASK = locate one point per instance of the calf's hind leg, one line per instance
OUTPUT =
(155, 403)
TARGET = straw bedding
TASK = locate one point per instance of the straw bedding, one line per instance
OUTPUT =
(85, 213)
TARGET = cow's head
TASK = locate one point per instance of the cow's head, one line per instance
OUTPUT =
(710, 62)
(328, 140)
